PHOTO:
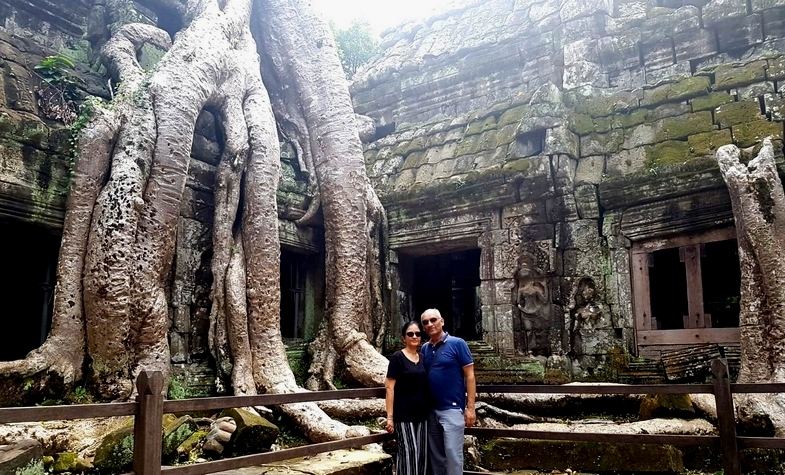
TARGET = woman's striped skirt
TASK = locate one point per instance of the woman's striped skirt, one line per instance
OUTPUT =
(412, 440)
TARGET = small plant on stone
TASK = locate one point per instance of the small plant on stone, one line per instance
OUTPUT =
(178, 389)
(59, 91)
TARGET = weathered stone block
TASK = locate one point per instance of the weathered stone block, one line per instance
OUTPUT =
(641, 135)
(774, 23)
(719, 10)
(626, 162)
(584, 73)
(679, 70)
(737, 113)
(728, 76)
(752, 133)
(760, 5)
(667, 153)
(657, 52)
(523, 214)
(693, 44)
(587, 201)
(746, 31)
(562, 208)
(572, 9)
(503, 290)
(590, 169)
(706, 144)
(682, 126)
(667, 21)
(710, 101)
(560, 140)
(628, 79)
(775, 106)
(754, 91)
(679, 91)
(601, 144)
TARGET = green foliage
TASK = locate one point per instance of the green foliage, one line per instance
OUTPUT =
(35, 467)
(178, 389)
(79, 395)
(356, 46)
(59, 89)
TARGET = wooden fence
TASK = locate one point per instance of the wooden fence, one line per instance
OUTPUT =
(149, 408)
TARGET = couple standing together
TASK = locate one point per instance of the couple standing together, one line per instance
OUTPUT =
(430, 394)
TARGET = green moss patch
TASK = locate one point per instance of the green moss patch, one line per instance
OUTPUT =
(710, 101)
(752, 133)
(708, 142)
(737, 113)
(682, 126)
(667, 153)
(728, 76)
(685, 89)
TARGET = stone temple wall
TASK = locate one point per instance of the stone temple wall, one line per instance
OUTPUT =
(553, 135)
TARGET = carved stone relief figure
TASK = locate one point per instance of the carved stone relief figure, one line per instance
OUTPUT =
(532, 310)
(585, 311)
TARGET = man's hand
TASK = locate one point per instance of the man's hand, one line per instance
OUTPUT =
(469, 417)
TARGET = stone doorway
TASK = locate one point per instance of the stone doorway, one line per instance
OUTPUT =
(28, 254)
(450, 282)
(301, 288)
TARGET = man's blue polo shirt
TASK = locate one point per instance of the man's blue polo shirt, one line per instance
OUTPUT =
(444, 363)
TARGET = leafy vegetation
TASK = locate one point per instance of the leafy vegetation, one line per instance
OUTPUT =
(59, 91)
(356, 46)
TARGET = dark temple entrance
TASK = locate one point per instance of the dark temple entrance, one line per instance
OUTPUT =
(28, 254)
(301, 289)
(449, 282)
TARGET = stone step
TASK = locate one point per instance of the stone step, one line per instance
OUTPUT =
(337, 462)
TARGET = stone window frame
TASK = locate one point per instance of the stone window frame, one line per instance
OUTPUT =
(699, 333)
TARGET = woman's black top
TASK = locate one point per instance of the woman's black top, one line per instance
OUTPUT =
(410, 402)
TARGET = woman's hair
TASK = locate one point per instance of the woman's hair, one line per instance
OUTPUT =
(408, 324)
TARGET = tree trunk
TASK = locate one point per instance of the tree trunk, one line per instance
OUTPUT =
(314, 80)
(759, 210)
(111, 301)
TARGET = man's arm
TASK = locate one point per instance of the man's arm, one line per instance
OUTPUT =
(471, 392)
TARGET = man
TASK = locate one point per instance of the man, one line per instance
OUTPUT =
(450, 368)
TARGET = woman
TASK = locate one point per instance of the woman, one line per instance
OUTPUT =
(407, 403)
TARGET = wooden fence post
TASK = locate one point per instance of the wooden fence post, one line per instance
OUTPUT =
(147, 423)
(726, 418)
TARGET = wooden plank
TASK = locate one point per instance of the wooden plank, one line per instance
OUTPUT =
(669, 439)
(714, 235)
(147, 423)
(596, 389)
(738, 388)
(640, 290)
(62, 413)
(209, 403)
(277, 456)
(760, 443)
(688, 336)
(726, 418)
(692, 265)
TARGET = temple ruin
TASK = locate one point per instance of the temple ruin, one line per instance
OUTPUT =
(547, 168)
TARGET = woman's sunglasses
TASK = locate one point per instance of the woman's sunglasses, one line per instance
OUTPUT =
(413, 334)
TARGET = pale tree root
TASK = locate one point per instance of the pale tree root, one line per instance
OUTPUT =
(336, 152)
(758, 203)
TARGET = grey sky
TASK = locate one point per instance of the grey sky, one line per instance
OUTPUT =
(380, 14)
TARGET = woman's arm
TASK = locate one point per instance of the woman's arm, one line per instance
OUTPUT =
(389, 395)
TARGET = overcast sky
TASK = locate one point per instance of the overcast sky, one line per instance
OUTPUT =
(380, 14)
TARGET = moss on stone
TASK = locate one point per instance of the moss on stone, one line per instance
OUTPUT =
(512, 115)
(727, 76)
(506, 135)
(685, 89)
(481, 125)
(666, 405)
(737, 113)
(751, 133)
(470, 145)
(254, 433)
(629, 119)
(776, 68)
(667, 153)
(191, 444)
(414, 160)
(116, 452)
(708, 142)
(682, 126)
(710, 101)
(175, 434)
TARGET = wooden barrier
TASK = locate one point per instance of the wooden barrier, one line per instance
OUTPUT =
(149, 408)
